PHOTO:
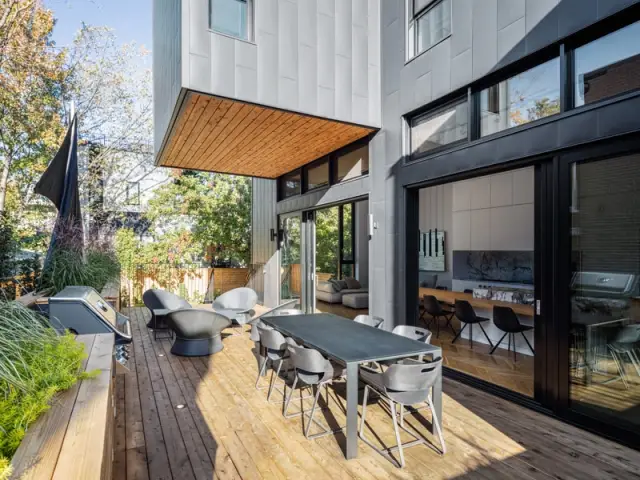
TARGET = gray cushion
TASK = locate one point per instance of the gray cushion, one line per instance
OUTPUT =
(356, 300)
(327, 287)
(352, 283)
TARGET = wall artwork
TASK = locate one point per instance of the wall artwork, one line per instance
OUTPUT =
(493, 266)
(432, 251)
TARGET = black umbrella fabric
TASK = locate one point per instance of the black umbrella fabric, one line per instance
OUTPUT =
(59, 183)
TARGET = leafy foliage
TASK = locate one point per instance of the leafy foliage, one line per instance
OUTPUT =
(8, 248)
(35, 364)
(68, 267)
(217, 206)
(327, 241)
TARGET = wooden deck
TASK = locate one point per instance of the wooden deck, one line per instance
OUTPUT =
(181, 418)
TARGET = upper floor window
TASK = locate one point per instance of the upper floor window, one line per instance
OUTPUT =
(521, 99)
(133, 193)
(429, 22)
(317, 175)
(352, 164)
(291, 184)
(232, 17)
(442, 127)
(608, 66)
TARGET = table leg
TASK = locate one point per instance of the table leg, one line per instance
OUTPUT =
(437, 399)
(352, 411)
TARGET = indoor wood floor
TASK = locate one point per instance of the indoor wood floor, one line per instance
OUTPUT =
(339, 309)
(499, 368)
(186, 418)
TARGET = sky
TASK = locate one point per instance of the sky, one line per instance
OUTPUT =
(130, 19)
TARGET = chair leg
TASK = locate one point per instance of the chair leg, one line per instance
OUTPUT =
(392, 404)
(263, 367)
(528, 344)
(459, 333)
(471, 335)
(515, 354)
(487, 336)
(274, 379)
(291, 390)
(436, 423)
(623, 375)
(497, 344)
(635, 361)
(313, 409)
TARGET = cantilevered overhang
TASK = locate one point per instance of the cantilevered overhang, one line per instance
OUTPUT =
(229, 136)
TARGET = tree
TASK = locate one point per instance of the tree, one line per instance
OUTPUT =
(216, 207)
(327, 242)
(31, 77)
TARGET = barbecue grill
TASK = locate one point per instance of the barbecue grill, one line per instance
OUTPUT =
(82, 310)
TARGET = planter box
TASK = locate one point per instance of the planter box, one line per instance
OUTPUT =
(74, 439)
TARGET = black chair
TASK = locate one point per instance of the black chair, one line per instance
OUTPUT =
(433, 307)
(160, 303)
(506, 320)
(467, 315)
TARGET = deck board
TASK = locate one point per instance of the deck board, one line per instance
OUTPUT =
(227, 430)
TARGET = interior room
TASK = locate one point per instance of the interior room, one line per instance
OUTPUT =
(476, 274)
(342, 259)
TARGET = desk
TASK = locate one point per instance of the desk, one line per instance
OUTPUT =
(351, 344)
(451, 297)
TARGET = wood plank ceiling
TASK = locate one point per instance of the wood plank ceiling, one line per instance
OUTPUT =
(229, 136)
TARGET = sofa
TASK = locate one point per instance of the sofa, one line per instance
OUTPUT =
(332, 291)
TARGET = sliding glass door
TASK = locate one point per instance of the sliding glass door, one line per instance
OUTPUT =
(290, 257)
(604, 330)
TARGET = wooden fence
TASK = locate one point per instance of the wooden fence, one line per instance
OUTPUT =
(191, 282)
(294, 273)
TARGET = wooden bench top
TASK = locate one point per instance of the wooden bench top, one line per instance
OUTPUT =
(73, 439)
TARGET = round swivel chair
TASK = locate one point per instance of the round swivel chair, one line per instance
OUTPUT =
(160, 303)
(197, 332)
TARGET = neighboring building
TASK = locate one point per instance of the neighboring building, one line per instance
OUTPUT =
(494, 144)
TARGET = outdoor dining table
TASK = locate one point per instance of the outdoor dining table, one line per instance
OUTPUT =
(351, 344)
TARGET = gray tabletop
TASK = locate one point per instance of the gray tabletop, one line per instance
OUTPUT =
(347, 340)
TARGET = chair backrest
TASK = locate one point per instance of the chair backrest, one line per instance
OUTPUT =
(505, 319)
(375, 322)
(272, 339)
(255, 333)
(628, 334)
(237, 299)
(411, 376)
(156, 298)
(414, 333)
(464, 311)
(196, 323)
(307, 359)
(432, 305)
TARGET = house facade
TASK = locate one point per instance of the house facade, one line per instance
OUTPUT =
(482, 153)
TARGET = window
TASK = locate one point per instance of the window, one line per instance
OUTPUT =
(318, 175)
(133, 193)
(529, 96)
(429, 24)
(353, 164)
(291, 184)
(609, 66)
(231, 17)
(436, 129)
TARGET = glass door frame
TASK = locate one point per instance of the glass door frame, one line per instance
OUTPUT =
(563, 163)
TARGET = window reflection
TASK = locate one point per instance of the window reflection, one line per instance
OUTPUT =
(291, 184)
(353, 164)
(609, 66)
(318, 175)
(529, 96)
(605, 300)
(230, 17)
(434, 130)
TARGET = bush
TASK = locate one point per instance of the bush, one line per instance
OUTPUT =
(67, 267)
(35, 364)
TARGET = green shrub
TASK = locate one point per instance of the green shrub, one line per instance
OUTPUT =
(67, 267)
(35, 364)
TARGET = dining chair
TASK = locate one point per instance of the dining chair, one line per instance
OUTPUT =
(505, 319)
(275, 351)
(414, 333)
(434, 308)
(467, 315)
(375, 322)
(405, 384)
(311, 369)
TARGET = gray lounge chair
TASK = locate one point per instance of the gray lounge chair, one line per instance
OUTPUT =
(160, 303)
(405, 383)
(197, 332)
(236, 304)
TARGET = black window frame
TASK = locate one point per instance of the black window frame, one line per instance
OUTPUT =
(342, 261)
(563, 49)
(332, 159)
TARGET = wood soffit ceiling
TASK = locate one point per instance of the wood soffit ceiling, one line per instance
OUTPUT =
(229, 136)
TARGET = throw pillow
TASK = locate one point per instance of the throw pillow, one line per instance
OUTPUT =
(326, 287)
(336, 285)
(352, 283)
